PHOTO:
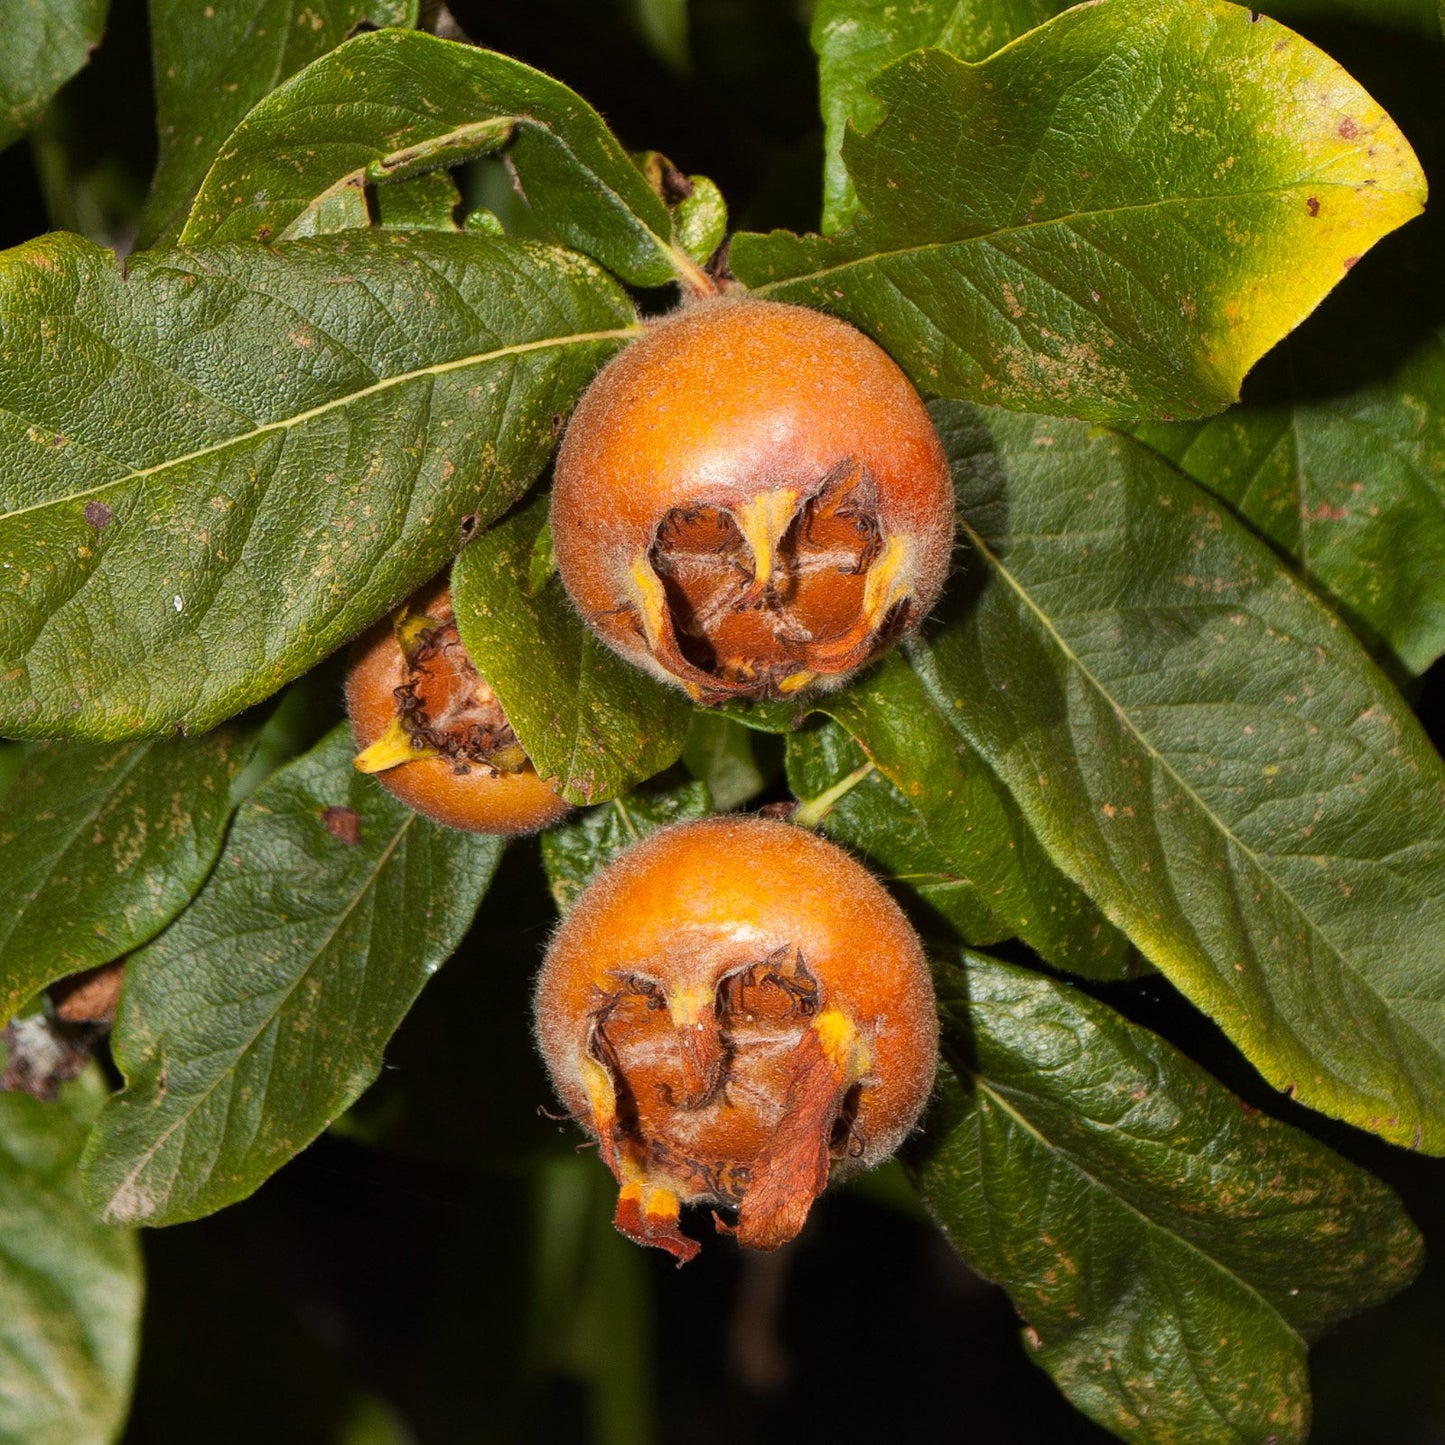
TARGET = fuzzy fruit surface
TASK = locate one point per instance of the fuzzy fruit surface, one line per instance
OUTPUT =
(432, 730)
(736, 1010)
(751, 500)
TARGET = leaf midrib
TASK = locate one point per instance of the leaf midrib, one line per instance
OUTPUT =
(284, 424)
(1058, 1151)
(364, 887)
(1125, 718)
(1070, 218)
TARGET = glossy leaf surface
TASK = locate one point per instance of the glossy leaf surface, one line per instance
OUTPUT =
(1171, 1252)
(430, 103)
(855, 39)
(100, 847)
(70, 1287)
(212, 63)
(218, 468)
(262, 1012)
(1115, 216)
(1204, 748)
(583, 715)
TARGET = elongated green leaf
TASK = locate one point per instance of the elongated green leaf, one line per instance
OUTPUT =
(855, 39)
(217, 469)
(431, 103)
(1171, 1252)
(575, 851)
(100, 847)
(262, 1012)
(725, 755)
(70, 1288)
(958, 812)
(584, 716)
(1114, 216)
(1353, 488)
(1204, 747)
(212, 63)
(46, 42)
(860, 808)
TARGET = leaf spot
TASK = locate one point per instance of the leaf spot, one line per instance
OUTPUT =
(344, 824)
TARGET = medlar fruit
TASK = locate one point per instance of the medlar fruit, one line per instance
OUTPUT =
(751, 500)
(736, 1010)
(432, 730)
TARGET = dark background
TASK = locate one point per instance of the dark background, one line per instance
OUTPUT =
(441, 1267)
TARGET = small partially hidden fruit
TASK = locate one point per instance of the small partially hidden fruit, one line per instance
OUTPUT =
(735, 1010)
(751, 500)
(432, 730)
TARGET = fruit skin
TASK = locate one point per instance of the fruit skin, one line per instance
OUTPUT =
(676, 1019)
(459, 794)
(716, 429)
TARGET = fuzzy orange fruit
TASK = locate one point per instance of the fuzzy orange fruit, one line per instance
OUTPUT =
(736, 1010)
(751, 500)
(432, 731)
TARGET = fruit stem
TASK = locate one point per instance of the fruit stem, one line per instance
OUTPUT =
(694, 281)
(812, 812)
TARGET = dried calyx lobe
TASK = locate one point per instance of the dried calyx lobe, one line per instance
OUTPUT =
(740, 1095)
(444, 707)
(769, 600)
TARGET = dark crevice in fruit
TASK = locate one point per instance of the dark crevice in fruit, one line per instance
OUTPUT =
(736, 1092)
(445, 705)
(739, 624)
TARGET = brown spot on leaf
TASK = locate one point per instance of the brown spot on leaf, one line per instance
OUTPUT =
(98, 515)
(1348, 129)
(1349, 262)
(1312, 206)
(343, 824)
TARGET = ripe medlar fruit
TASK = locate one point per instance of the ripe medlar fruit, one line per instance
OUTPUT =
(432, 730)
(751, 500)
(735, 1010)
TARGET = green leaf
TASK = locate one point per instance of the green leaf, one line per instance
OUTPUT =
(427, 202)
(70, 1288)
(855, 39)
(725, 755)
(100, 847)
(432, 103)
(213, 63)
(1352, 488)
(1114, 216)
(701, 220)
(262, 1012)
(663, 25)
(944, 812)
(583, 715)
(46, 42)
(1171, 1251)
(576, 850)
(217, 468)
(1204, 748)
(841, 789)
